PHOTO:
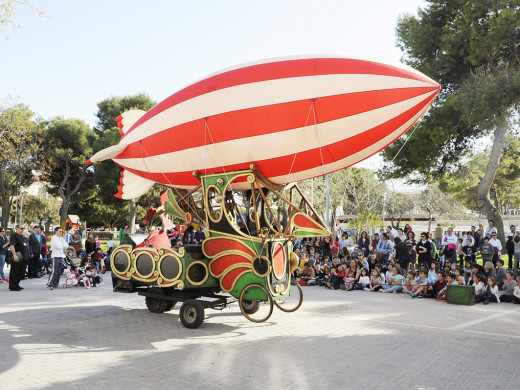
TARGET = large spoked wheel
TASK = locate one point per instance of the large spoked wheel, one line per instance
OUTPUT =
(192, 314)
(249, 307)
(293, 301)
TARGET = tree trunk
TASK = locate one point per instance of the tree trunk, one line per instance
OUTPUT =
(131, 221)
(64, 210)
(483, 190)
(6, 209)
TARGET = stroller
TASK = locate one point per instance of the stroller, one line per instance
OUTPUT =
(75, 278)
(70, 261)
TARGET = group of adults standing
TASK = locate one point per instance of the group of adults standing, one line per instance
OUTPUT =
(26, 250)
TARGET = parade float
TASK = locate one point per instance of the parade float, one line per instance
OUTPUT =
(231, 144)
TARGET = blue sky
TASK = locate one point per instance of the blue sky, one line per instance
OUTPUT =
(89, 50)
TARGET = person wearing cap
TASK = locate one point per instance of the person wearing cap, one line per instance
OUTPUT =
(497, 245)
(35, 250)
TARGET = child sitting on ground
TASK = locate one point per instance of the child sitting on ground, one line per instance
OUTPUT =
(458, 276)
(349, 281)
(422, 284)
(364, 280)
(478, 284)
(375, 281)
(409, 282)
(490, 293)
(95, 279)
(441, 296)
(509, 288)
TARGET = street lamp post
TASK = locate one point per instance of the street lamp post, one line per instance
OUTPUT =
(21, 205)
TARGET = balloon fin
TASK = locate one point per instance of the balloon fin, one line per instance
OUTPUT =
(106, 153)
(132, 186)
(127, 119)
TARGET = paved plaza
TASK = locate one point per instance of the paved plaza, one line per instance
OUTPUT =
(96, 339)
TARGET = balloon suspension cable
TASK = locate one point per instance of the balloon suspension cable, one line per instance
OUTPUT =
(223, 170)
(402, 146)
(165, 177)
(295, 154)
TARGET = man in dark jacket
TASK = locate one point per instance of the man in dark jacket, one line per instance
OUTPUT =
(17, 247)
(35, 249)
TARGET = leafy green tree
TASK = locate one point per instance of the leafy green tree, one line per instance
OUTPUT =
(69, 145)
(505, 190)
(107, 174)
(36, 208)
(365, 220)
(471, 48)
(397, 205)
(19, 145)
(437, 203)
(351, 189)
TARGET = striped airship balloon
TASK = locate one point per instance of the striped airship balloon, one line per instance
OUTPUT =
(294, 117)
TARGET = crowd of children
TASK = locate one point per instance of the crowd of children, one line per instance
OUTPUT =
(424, 268)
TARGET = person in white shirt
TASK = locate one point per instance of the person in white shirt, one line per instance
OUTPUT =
(495, 242)
(449, 242)
(58, 247)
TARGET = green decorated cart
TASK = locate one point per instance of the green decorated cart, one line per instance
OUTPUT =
(247, 255)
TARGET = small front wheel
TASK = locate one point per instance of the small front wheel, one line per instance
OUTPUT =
(192, 314)
(86, 281)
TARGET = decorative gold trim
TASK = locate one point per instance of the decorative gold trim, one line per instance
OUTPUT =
(152, 256)
(241, 173)
(203, 280)
(229, 237)
(234, 282)
(128, 250)
(251, 178)
(273, 290)
(234, 236)
(220, 182)
(269, 267)
(284, 260)
(231, 267)
(209, 209)
(159, 267)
